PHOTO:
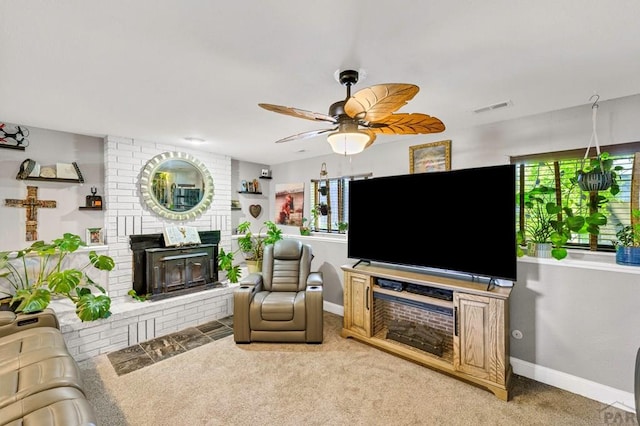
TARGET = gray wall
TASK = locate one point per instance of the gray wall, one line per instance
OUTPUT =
(577, 317)
(48, 147)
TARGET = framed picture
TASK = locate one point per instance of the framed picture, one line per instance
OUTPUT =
(289, 203)
(430, 157)
(94, 237)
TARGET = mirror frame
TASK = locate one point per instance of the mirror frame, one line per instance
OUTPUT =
(146, 183)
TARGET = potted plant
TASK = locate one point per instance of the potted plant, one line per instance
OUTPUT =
(33, 284)
(549, 226)
(323, 208)
(539, 213)
(252, 244)
(627, 243)
(304, 229)
(599, 175)
(342, 227)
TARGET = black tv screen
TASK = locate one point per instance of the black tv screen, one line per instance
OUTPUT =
(458, 220)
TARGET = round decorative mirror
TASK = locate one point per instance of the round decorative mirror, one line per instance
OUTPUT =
(176, 186)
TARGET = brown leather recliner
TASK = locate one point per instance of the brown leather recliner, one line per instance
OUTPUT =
(283, 302)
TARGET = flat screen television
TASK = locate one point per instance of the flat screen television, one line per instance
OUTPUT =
(459, 220)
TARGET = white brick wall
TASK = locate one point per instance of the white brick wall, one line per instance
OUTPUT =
(124, 160)
(132, 322)
(125, 214)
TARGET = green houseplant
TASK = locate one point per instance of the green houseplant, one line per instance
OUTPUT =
(304, 229)
(599, 174)
(33, 284)
(342, 227)
(569, 223)
(252, 244)
(548, 223)
(627, 241)
(539, 220)
(225, 262)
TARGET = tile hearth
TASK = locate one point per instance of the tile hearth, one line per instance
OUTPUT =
(146, 353)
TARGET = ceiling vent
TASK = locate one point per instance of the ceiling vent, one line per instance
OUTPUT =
(494, 106)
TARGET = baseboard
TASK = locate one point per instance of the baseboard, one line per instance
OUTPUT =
(592, 390)
(333, 308)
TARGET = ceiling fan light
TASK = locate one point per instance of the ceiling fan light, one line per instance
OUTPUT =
(348, 143)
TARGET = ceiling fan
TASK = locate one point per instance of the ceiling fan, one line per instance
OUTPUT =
(360, 117)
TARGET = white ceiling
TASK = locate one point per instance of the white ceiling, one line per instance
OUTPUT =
(162, 70)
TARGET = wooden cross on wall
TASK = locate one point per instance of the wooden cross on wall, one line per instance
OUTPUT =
(31, 203)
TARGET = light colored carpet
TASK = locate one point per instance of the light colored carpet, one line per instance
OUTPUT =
(339, 382)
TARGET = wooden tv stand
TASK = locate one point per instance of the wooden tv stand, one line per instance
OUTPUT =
(475, 323)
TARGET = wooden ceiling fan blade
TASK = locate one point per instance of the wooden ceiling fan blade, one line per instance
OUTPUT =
(378, 102)
(372, 138)
(299, 113)
(306, 135)
(408, 124)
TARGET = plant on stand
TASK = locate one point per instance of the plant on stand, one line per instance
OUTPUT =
(39, 272)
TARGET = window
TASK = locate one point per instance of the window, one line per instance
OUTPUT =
(557, 171)
(330, 197)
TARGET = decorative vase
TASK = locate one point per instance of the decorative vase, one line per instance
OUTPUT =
(542, 250)
(254, 265)
(628, 256)
(595, 181)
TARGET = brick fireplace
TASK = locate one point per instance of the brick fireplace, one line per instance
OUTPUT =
(131, 321)
(161, 271)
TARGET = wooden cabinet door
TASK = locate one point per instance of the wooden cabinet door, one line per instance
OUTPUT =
(479, 337)
(358, 301)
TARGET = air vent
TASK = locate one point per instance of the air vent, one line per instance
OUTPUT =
(494, 106)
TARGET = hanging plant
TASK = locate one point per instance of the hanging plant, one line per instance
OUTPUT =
(598, 174)
(324, 209)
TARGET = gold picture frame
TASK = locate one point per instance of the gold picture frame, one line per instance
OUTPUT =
(430, 157)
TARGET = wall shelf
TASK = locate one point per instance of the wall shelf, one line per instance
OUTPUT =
(43, 179)
(18, 147)
(266, 177)
(250, 192)
(90, 208)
